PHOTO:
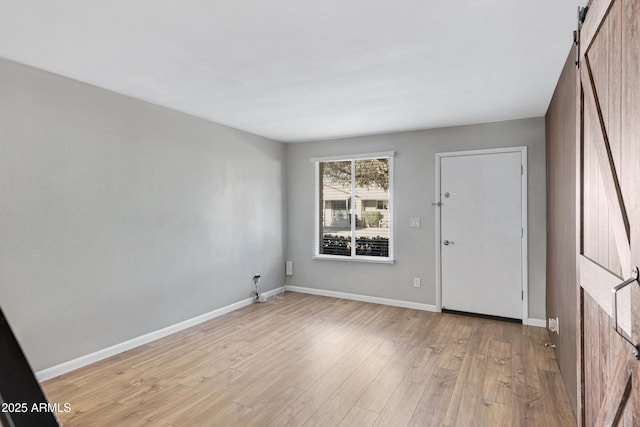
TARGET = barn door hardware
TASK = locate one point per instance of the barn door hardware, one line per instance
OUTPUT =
(582, 15)
(614, 324)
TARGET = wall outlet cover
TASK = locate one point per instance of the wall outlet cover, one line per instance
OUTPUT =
(288, 268)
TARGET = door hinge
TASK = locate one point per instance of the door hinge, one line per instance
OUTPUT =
(521, 232)
(522, 295)
(521, 169)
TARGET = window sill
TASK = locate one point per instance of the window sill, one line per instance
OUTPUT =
(372, 260)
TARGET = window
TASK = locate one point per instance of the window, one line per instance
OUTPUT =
(354, 208)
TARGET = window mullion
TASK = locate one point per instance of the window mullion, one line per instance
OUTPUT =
(353, 208)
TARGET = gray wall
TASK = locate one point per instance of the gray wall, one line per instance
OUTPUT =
(414, 182)
(118, 217)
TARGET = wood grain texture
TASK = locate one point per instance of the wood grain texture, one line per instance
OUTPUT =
(597, 12)
(618, 219)
(598, 59)
(598, 282)
(630, 139)
(615, 397)
(561, 216)
(324, 361)
(610, 132)
(603, 64)
(580, 248)
(614, 105)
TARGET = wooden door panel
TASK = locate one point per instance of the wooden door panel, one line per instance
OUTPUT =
(602, 348)
(599, 242)
(595, 18)
(599, 52)
(609, 139)
(614, 104)
(561, 213)
(592, 399)
(630, 112)
(597, 282)
(599, 239)
(598, 56)
(617, 218)
(604, 59)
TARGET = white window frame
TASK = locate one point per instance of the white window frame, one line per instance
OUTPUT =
(357, 258)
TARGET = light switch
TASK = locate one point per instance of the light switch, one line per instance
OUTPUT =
(414, 222)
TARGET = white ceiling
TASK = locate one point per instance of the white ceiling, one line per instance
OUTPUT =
(300, 70)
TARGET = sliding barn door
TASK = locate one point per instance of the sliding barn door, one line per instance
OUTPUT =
(609, 214)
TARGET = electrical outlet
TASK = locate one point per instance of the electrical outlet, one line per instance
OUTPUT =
(414, 222)
(416, 282)
(288, 268)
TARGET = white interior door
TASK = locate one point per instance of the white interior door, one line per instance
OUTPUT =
(481, 233)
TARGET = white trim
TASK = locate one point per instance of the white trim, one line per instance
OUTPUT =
(392, 210)
(525, 245)
(521, 148)
(352, 212)
(274, 292)
(363, 298)
(438, 248)
(540, 323)
(316, 213)
(525, 235)
(63, 368)
(356, 258)
(378, 155)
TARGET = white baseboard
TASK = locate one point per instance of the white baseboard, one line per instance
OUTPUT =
(274, 292)
(363, 298)
(540, 323)
(385, 301)
(88, 359)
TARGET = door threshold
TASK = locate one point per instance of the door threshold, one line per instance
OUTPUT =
(482, 316)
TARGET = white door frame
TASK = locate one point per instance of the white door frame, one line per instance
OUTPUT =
(525, 265)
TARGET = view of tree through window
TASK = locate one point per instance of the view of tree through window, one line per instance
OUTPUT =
(354, 217)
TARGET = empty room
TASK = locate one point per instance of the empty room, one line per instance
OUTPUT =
(358, 213)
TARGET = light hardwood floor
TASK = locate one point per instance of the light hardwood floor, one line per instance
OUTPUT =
(310, 360)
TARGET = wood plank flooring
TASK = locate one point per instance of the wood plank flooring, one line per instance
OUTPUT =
(306, 360)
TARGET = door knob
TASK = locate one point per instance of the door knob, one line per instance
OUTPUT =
(447, 243)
